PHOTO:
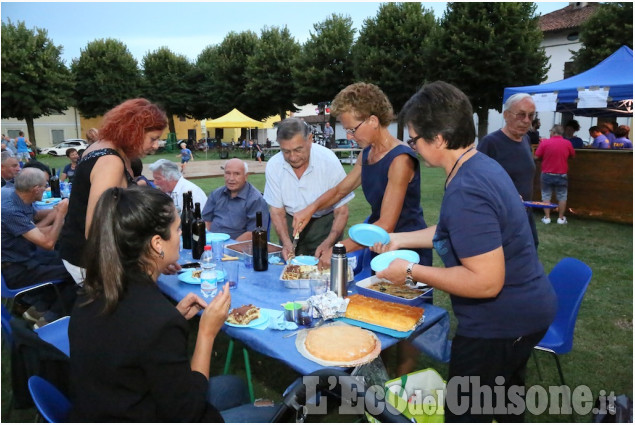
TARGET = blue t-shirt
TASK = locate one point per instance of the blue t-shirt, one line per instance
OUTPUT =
(480, 212)
(576, 142)
(622, 143)
(515, 157)
(17, 219)
(70, 173)
(374, 182)
(601, 142)
(236, 215)
(186, 154)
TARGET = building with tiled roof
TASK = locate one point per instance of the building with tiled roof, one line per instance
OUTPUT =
(567, 19)
(561, 35)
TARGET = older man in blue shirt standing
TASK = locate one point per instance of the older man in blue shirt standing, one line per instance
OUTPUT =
(232, 208)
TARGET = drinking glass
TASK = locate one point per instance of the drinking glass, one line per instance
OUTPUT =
(248, 257)
(231, 273)
(302, 313)
(319, 283)
(218, 248)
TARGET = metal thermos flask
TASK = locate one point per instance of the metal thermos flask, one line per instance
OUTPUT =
(339, 270)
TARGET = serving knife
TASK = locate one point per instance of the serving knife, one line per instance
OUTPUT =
(296, 238)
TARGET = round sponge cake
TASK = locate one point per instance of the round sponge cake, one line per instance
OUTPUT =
(340, 343)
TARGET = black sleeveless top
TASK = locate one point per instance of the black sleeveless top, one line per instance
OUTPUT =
(72, 239)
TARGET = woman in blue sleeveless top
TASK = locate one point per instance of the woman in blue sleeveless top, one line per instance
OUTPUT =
(389, 175)
(388, 170)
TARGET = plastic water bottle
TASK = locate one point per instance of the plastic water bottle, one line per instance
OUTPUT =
(209, 286)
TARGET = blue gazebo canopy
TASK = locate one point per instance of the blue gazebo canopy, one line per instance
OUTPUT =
(614, 72)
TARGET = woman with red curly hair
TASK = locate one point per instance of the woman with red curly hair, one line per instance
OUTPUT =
(130, 130)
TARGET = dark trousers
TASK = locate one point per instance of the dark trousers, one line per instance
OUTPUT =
(313, 234)
(45, 266)
(482, 361)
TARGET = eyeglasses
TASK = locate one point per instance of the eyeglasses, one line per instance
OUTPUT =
(352, 131)
(522, 115)
(413, 142)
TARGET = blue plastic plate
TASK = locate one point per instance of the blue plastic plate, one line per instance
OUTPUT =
(536, 204)
(383, 260)
(304, 260)
(186, 277)
(264, 317)
(216, 237)
(47, 202)
(368, 234)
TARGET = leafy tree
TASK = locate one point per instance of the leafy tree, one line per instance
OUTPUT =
(201, 79)
(390, 51)
(484, 47)
(225, 67)
(105, 75)
(270, 88)
(610, 27)
(324, 66)
(165, 82)
(35, 81)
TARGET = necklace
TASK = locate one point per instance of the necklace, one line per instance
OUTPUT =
(454, 166)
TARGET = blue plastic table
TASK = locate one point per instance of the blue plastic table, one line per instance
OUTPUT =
(265, 290)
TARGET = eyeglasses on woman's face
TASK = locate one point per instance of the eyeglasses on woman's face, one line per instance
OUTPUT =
(412, 142)
(352, 131)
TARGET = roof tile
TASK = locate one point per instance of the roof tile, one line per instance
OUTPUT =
(570, 17)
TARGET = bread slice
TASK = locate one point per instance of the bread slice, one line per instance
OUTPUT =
(399, 317)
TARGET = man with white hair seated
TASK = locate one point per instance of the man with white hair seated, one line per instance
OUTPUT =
(232, 208)
(168, 178)
(10, 167)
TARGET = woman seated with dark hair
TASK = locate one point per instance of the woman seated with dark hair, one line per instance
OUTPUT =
(129, 343)
(500, 294)
(137, 173)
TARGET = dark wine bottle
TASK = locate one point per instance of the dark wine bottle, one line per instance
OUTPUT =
(259, 243)
(198, 233)
(187, 218)
(54, 182)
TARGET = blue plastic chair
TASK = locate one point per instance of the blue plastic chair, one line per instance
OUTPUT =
(50, 402)
(12, 294)
(7, 335)
(56, 334)
(570, 279)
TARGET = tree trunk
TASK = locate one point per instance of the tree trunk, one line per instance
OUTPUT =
(31, 131)
(171, 123)
(283, 115)
(482, 114)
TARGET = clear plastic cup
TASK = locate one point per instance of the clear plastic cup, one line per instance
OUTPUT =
(231, 273)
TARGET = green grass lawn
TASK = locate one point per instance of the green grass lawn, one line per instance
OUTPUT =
(602, 356)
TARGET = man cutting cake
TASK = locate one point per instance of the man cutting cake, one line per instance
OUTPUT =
(295, 177)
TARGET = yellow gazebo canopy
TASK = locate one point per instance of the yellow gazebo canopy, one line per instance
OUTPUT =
(234, 119)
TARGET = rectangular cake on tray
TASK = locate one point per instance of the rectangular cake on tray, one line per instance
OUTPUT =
(386, 291)
(238, 249)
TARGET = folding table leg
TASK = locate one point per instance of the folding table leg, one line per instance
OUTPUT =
(250, 386)
(230, 352)
(228, 360)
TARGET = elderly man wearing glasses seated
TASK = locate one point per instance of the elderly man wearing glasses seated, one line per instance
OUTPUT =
(511, 148)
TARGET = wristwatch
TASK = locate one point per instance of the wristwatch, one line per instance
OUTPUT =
(409, 280)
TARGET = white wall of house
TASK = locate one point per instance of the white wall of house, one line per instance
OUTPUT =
(559, 51)
(49, 130)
